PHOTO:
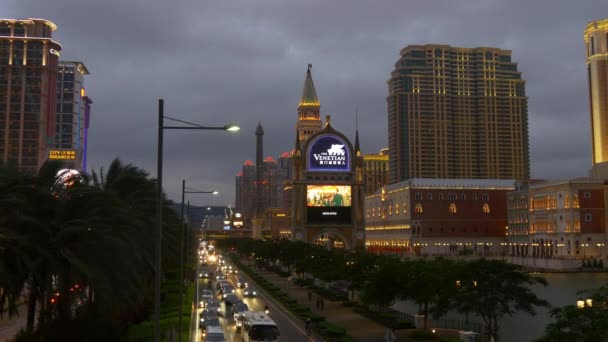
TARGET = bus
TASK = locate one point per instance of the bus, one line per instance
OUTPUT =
(258, 326)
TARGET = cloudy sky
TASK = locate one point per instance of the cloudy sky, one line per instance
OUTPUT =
(218, 61)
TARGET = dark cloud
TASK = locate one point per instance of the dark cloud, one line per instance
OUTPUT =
(240, 60)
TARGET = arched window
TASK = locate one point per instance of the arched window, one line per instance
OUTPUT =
(373, 212)
(390, 209)
(404, 208)
(397, 209)
(419, 208)
(452, 208)
(486, 208)
(367, 213)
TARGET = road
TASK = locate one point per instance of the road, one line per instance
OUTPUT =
(291, 329)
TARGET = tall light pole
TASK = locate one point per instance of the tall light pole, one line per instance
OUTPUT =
(181, 254)
(231, 127)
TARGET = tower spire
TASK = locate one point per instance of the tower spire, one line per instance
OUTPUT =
(309, 94)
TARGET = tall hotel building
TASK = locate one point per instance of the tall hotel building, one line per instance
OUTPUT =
(73, 113)
(457, 113)
(28, 80)
(596, 40)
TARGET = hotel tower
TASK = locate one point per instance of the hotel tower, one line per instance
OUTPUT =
(457, 113)
(596, 40)
(28, 80)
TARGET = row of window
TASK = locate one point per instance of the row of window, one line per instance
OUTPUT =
(485, 208)
(451, 196)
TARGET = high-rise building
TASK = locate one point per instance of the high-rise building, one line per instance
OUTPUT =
(73, 111)
(245, 191)
(309, 109)
(457, 113)
(596, 40)
(375, 171)
(28, 80)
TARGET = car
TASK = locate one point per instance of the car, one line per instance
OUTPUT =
(250, 292)
(214, 307)
(226, 290)
(206, 294)
(208, 319)
(240, 283)
(214, 334)
(238, 309)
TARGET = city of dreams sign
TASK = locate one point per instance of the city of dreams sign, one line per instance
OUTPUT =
(328, 152)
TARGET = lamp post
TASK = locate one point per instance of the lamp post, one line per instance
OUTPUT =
(231, 127)
(181, 253)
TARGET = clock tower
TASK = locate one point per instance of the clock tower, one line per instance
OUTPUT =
(309, 116)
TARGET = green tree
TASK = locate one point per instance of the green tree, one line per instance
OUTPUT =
(574, 324)
(495, 289)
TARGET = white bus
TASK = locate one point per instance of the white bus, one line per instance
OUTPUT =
(258, 326)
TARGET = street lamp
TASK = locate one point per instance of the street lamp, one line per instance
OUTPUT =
(231, 127)
(181, 252)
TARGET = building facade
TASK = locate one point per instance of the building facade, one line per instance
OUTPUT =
(596, 43)
(457, 113)
(73, 113)
(327, 191)
(375, 171)
(28, 81)
(438, 216)
(566, 219)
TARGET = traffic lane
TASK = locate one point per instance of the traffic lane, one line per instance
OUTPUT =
(290, 327)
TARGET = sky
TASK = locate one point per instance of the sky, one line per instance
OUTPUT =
(244, 61)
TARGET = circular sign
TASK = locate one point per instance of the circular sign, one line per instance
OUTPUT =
(328, 153)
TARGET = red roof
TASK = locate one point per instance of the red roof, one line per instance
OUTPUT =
(248, 163)
(269, 159)
(285, 155)
(240, 174)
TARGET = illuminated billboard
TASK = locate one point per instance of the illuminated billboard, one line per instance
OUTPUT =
(328, 152)
(328, 204)
(62, 154)
(328, 196)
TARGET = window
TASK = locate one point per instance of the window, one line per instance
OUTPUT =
(419, 208)
(463, 196)
(367, 213)
(404, 208)
(429, 196)
(373, 212)
(397, 209)
(452, 197)
(485, 197)
(452, 208)
(486, 208)
(418, 196)
(390, 209)
(588, 217)
(441, 196)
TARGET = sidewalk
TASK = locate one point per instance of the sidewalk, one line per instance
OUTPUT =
(357, 326)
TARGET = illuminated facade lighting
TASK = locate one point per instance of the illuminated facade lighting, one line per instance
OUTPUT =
(596, 42)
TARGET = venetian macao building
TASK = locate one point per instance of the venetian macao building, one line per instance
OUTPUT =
(426, 216)
(558, 219)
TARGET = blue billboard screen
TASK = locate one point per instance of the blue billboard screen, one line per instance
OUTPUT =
(328, 153)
